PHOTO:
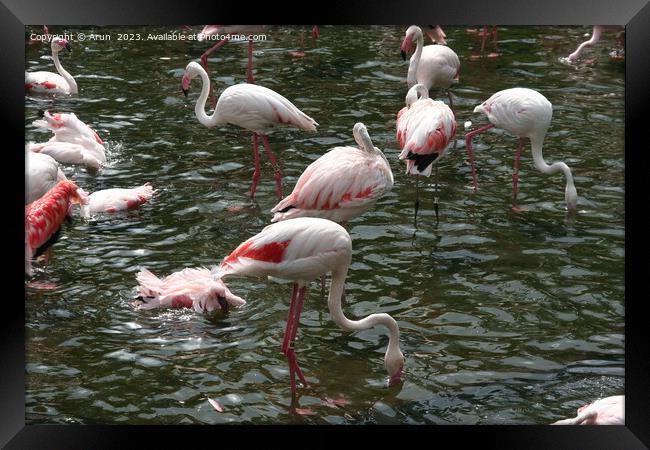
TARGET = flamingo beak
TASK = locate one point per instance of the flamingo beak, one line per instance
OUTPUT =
(395, 378)
(223, 303)
(406, 46)
(185, 84)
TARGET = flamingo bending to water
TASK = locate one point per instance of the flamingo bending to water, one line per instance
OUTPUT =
(340, 185)
(189, 288)
(73, 142)
(43, 218)
(525, 113)
(595, 37)
(434, 66)
(50, 83)
(301, 250)
(252, 107)
(606, 411)
(117, 199)
(425, 129)
(42, 174)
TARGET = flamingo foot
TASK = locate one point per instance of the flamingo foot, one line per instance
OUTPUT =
(518, 209)
(298, 54)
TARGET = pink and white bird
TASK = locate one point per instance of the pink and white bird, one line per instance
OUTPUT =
(301, 250)
(434, 66)
(606, 411)
(42, 174)
(43, 218)
(598, 30)
(189, 288)
(425, 128)
(117, 199)
(340, 185)
(73, 142)
(527, 114)
(252, 107)
(50, 83)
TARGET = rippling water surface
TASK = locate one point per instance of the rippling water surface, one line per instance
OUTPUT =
(505, 318)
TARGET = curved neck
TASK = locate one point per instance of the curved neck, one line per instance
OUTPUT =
(415, 60)
(538, 158)
(64, 73)
(199, 108)
(334, 304)
(363, 140)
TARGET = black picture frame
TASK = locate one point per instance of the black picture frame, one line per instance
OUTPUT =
(635, 14)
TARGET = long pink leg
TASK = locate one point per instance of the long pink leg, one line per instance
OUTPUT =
(315, 32)
(297, 299)
(470, 151)
(278, 174)
(484, 37)
(204, 63)
(256, 173)
(515, 176)
(249, 71)
(294, 331)
(287, 330)
(494, 37)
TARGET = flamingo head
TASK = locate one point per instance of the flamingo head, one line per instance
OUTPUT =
(436, 34)
(407, 43)
(218, 296)
(571, 197)
(60, 44)
(192, 70)
(394, 363)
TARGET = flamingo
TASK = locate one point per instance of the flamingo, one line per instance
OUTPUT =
(50, 83)
(436, 34)
(188, 288)
(43, 218)
(301, 250)
(484, 34)
(252, 107)
(73, 142)
(42, 174)
(606, 411)
(424, 130)
(340, 185)
(117, 199)
(595, 37)
(434, 66)
(527, 114)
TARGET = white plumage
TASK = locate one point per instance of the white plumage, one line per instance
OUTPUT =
(50, 83)
(117, 199)
(42, 174)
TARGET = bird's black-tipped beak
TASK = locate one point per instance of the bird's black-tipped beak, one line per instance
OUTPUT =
(223, 303)
(184, 91)
(403, 55)
(67, 47)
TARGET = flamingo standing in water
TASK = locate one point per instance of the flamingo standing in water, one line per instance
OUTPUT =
(73, 142)
(301, 250)
(189, 288)
(434, 66)
(595, 37)
(525, 113)
(50, 83)
(252, 107)
(340, 185)
(117, 199)
(43, 218)
(606, 411)
(424, 130)
(42, 174)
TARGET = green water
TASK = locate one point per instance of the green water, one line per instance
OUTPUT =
(505, 318)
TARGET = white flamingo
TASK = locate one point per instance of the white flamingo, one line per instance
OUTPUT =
(606, 411)
(597, 31)
(252, 107)
(42, 174)
(117, 199)
(527, 114)
(50, 83)
(301, 250)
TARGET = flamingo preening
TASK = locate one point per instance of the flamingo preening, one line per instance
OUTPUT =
(527, 114)
(188, 288)
(252, 107)
(300, 250)
(42, 174)
(43, 218)
(73, 142)
(425, 128)
(340, 185)
(434, 66)
(117, 199)
(606, 411)
(50, 83)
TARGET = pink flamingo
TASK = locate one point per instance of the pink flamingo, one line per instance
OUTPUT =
(73, 142)
(436, 34)
(595, 37)
(189, 288)
(424, 130)
(42, 174)
(434, 66)
(301, 250)
(484, 34)
(340, 185)
(525, 113)
(50, 83)
(43, 218)
(606, 411)
(117, 199)
(252, 107)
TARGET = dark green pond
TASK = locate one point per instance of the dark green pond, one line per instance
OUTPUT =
(505, 318)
